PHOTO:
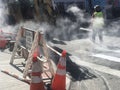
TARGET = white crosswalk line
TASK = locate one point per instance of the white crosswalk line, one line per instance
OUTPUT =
(107, 49)
(110, 58)
(117, 51)
(108, 54)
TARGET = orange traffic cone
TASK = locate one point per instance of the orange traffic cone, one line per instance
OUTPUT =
(36, 79)
(59, 80)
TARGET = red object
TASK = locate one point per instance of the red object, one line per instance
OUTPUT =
(35, 54)
(35, 57)
(64, 53)
(36, 73)
(59, 80)
(3, 42)
(37, 86)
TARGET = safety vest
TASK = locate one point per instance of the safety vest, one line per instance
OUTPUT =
(98, 21)
(98, 14)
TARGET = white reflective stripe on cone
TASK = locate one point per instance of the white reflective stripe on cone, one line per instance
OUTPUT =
(36, 79)
(62, 61)
(61, 72)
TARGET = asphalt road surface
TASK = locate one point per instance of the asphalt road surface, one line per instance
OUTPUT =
(91, 66)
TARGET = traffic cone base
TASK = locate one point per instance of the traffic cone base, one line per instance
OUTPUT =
(59, 81)
(37, 86)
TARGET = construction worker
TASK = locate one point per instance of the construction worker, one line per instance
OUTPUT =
(97, 24)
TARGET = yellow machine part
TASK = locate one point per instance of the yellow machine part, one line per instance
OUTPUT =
(48, 6)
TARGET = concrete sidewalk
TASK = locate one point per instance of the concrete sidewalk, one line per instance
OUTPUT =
(8, 82)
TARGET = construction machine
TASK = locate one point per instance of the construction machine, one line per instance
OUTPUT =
(21, 10)
(38, 10)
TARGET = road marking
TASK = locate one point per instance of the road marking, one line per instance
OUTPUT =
(100, 68)
(110, 58)
(117, 51)
(104, 48)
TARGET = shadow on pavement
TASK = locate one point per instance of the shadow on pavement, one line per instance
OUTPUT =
(78, 72)
(18, 67)
(58, 42)
(75, 71)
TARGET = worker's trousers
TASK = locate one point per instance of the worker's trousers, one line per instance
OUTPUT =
(97, 33)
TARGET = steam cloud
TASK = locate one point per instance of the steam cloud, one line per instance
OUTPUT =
(2, 12)
(3, 20)
(66, 29)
